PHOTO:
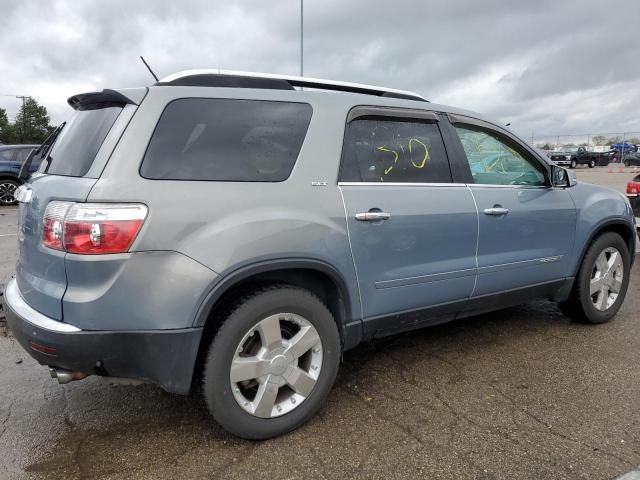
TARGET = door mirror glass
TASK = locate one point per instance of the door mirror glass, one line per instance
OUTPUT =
(562, 177)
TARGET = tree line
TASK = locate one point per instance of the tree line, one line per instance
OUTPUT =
(31, 124)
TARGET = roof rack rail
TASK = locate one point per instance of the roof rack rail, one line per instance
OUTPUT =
(239, 79)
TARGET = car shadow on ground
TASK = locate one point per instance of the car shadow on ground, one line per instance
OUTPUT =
(424, 387)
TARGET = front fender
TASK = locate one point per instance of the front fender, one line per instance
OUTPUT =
(598, 208)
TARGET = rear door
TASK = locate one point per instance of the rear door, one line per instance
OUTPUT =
(526, 226)
(71, 168)
(412, 231)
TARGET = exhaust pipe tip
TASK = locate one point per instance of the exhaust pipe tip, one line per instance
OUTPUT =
(66, 376)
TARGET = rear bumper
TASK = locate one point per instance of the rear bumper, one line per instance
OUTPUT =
(164, 357)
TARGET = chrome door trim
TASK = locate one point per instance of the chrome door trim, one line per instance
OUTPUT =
(524, 187)
(398, 184)
(519, 264)
(433, 277)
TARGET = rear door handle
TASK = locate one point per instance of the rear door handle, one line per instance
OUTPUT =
(496, 211)
(372, 216)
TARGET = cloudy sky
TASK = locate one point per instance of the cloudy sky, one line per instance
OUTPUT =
(545, 66)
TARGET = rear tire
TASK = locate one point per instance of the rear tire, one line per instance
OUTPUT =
(291, 341)
(592, 163)
(7, 189)
(602, 280)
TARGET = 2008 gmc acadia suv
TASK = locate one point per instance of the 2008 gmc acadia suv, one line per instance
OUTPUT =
(237, 228)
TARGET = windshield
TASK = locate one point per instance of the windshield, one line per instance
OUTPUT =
(76, 147)
(571, 149)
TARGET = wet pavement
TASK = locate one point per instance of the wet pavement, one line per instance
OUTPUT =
(520, 393)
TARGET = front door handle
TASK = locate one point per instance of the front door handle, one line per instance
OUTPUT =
(496, 211)
(372, 216)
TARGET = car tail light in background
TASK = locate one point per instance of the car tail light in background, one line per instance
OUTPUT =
(633, 188)
(92, 228)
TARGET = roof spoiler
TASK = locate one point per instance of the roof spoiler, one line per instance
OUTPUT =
(95, 100)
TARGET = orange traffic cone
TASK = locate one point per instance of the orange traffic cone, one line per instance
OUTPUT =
(621, 169)
(610, 169)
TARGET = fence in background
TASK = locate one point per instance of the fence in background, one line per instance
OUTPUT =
(599, 142)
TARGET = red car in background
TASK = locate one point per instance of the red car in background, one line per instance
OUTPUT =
(633, 194)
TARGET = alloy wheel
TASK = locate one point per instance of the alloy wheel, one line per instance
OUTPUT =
(7, 189)
(276, 365)
(606, 279)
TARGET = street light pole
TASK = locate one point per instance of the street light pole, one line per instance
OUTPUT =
(301, 38)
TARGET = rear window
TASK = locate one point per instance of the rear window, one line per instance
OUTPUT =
(79, 141)
(226, 140)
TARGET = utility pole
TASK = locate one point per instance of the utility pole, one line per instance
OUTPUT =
(24, 98)
(301, 38)
(24, 116)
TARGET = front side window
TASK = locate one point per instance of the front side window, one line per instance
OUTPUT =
(226, 140)
(387, 150)
(494, 162)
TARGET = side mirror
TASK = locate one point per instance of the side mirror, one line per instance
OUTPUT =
(561, 177)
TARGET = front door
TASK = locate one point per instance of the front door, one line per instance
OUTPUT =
(526, 227)
(413, 233)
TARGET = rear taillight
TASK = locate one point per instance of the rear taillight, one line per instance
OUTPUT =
(92, 228)
(633, 189)
(53, 224)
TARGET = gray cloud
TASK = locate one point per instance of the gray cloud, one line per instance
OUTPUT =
(545, 66)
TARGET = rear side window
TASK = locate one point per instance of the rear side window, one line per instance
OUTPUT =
(79, 141)
(390, 150)
(226, 140)
(6, 154)
(22, 154)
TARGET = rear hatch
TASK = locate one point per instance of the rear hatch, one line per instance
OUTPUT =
(71, 165)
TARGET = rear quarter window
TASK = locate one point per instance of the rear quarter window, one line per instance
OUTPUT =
(226, 140)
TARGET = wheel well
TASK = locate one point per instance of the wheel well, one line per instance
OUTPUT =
(4, 176)
(315, 281)
(627, 234)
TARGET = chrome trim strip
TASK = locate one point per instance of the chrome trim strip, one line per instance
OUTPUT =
(14, 300)
(432, 277)
(528, 187)
(398, 184)
(519, 264)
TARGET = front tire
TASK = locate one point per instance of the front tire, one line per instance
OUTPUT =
(592, 163)
(601, 284)
(272, 363)
(7, 189)
(574, 164)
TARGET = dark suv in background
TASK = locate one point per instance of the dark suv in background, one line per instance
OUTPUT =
(11, 159)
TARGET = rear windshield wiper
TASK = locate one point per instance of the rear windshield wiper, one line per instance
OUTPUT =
(42, 152)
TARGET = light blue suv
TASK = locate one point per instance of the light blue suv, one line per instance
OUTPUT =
(237, 229)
